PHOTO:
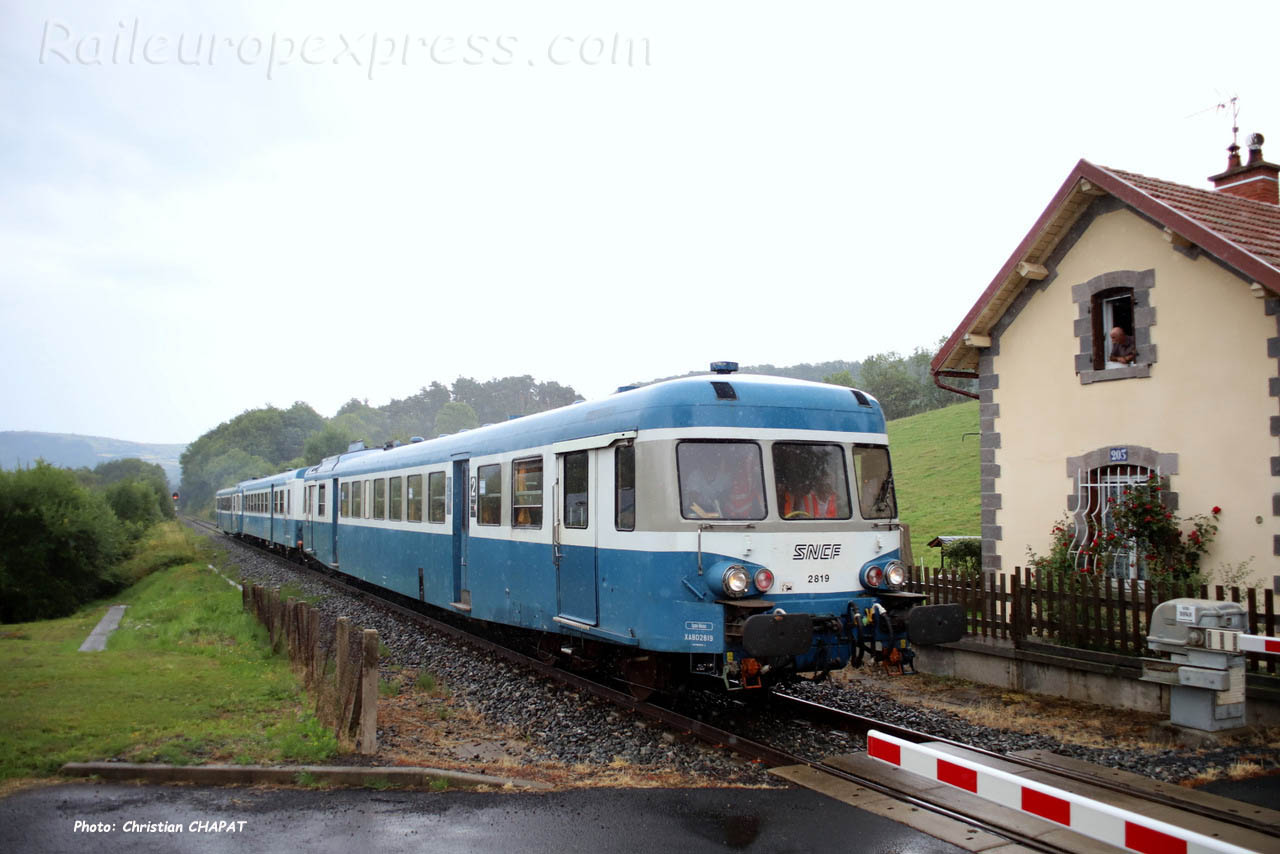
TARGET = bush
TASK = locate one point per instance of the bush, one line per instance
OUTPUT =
(59, 543)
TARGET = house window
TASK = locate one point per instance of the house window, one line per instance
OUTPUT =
(1099, 490)
(1111, 309)
(1120, 298)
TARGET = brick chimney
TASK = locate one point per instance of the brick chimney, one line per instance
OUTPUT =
(1256, 179)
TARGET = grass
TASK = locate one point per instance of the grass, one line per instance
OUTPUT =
(936, 471)
(187, 678)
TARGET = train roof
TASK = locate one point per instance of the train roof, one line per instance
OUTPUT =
(269, 480)
(716, 400)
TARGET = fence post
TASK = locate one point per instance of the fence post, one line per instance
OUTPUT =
(346, 678)
(367, 740)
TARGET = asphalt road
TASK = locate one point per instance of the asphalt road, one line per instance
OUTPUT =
(363, 821)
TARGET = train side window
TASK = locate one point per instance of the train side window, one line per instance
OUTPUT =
(624, 490)
(379, 498)
(357, 499)
(876, 498)
(811, 481)
(435, 483)
(288, 503)
(344, 508)
(526, 493)
(413, 512)
(395, 499)
(490, 485)
(320, 503)
(576, 487)
(721, 480)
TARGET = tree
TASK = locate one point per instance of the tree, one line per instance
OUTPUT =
(843, 378)
(59, 544)
(333, 439)
(455, 416)
(886, 378)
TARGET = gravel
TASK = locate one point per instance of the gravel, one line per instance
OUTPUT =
(563, 726)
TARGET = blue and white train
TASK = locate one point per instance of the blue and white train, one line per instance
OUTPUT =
(734, 526)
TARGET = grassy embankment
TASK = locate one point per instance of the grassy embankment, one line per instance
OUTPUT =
(187, 678)
(936, 470)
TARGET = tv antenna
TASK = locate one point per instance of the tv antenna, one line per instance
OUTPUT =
(1233, 104)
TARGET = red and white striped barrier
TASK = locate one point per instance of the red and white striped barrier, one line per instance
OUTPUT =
(1084, 816)
(1259, 643)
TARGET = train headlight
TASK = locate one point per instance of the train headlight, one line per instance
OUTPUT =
(872, 576)
(736, 580)
(896, 573)
(764, 580)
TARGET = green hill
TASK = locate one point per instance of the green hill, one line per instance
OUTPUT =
(936, 470)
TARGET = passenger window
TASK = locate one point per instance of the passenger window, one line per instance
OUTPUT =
(395, 502)
(435, 482)
(490, 485)
(379, 498)
(526, 493)
(414, 485)
(576, 486)
(811, 481)
(357, 499)
(624, 488)
(876, 498)
(320, 503)
(344, 491)
(721, 480)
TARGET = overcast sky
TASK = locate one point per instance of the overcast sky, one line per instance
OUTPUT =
(209, 208)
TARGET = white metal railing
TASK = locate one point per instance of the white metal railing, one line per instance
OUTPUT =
(1097, 492)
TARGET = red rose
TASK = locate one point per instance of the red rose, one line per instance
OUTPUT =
(1215, 511)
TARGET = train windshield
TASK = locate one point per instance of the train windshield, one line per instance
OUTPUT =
(721, 480)
(876, 498)
(811, 481)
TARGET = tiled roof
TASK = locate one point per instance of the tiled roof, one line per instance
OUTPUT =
(1251, 225)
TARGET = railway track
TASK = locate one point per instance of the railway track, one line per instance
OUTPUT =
(1258, 827)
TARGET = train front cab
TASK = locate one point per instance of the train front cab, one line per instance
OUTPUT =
(769, 584)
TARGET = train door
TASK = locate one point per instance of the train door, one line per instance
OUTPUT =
(274, 517)
(333, 524)
(239, 513)
(463, 499)
(575, 533)
(308, 518)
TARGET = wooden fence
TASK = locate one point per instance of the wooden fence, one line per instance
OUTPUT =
(1088, 612)
(338, 666)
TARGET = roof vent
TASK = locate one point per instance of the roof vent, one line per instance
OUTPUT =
(623, 388)
(356, 446)
(724, 391)
(723, 367)
(860, 397)
(416, 439)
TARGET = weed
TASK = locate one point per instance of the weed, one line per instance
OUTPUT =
(426, 681)
(388, 687)
(380, 784)
(438, 784)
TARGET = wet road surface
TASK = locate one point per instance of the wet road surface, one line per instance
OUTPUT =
(168, 819)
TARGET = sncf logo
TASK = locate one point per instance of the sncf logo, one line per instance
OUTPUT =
(816, 551)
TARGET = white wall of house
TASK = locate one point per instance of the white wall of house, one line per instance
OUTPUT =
(1207, 399)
